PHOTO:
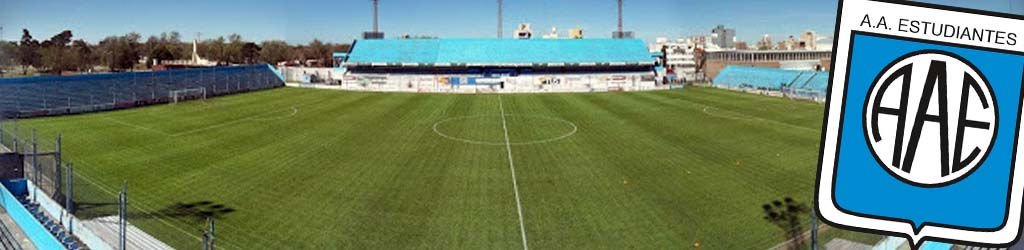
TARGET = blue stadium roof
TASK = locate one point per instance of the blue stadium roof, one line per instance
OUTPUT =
(499, 52)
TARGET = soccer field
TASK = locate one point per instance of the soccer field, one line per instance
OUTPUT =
(298, 168)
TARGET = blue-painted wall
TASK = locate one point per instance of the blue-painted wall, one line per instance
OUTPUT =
(35, 231)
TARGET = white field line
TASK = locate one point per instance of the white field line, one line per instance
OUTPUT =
(744, 117)
(295, 110)
(512, 167)
(136, 126)
(257, 117)
(437, 131)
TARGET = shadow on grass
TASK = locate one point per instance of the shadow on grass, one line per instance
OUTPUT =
(196, 212)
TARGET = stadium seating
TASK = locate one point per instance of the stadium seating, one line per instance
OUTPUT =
(499, 51)
(51, 225)
(803, 82)
(57, 95)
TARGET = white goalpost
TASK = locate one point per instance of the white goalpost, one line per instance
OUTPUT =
(188, 94)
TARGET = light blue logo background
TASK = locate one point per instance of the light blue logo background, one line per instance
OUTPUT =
(864, 188)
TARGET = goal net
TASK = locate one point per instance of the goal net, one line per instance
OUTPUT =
(188, 94)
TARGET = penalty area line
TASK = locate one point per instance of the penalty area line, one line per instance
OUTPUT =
(512, 167)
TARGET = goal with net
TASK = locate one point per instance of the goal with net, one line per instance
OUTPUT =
(188, 94)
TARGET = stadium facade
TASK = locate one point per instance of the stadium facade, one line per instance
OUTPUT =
(499, 65)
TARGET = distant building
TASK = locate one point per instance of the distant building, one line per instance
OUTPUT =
(553, 34)
(723, 37)
(808, 40)
(714, 61)
(742, 46)
(788, 44)
(678, 58)
(524, 31)
(576, 33)
(765, 43)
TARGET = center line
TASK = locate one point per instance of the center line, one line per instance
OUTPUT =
(512, 167)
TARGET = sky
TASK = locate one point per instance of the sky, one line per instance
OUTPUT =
(342, 21)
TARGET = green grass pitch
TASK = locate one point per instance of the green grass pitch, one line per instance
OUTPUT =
(298, 168)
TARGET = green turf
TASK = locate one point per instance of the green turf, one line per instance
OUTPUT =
(314, 169)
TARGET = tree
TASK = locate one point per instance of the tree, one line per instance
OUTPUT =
(274, 51)
(52, 58)
(55, 54)
(250, 53)
(233, 50)
(82, 53)
(8, 55)
(180, 50)
(28, 54)
(321, 52)
(160, 53)
(213, 49)
(61, 39)
(120, 52)
(298, 52)
(787, 215)
(166, 46)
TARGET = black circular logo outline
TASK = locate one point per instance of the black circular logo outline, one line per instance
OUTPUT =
(995, 123)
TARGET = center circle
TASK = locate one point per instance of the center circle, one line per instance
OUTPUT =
(491, 129)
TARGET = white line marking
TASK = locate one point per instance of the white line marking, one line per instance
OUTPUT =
(502, 143)
(257, 117)
(295, 110)
(512, 167)
(743, 117)
(136, 126)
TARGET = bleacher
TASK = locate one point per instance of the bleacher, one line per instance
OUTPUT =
(52, 226)
(498, 52)
(59, 95)
(802, 83)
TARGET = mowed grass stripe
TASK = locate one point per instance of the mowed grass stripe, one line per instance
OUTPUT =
(594, 189)
(649, 170)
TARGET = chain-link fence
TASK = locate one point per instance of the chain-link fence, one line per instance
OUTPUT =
(97, 205)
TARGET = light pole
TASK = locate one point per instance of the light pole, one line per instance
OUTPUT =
(375, 19)
(499, 20)
(620, 17)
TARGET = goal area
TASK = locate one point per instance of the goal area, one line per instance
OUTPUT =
(182, 95)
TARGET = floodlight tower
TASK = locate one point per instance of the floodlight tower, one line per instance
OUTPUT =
(499, 19)
(620, 33)
(620, 16)
(375, 34)
(376, 27)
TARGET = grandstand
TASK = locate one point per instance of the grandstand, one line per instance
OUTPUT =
(499, 65)
(58, 95)
(794, 83)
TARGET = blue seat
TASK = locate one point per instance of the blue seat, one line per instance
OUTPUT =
(772, 79)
